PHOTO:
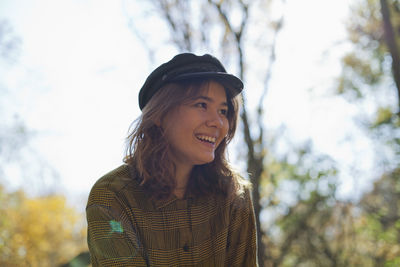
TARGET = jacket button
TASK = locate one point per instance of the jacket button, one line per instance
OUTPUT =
(186, 248)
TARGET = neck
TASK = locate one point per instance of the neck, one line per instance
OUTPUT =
(182, 175)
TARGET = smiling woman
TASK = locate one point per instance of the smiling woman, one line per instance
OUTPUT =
(176, 200)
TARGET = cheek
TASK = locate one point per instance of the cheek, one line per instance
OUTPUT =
(225, 128)
(223, 132)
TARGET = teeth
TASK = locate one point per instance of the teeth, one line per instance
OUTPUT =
(207, 138)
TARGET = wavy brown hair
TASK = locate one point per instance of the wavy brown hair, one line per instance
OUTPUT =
(148, 151)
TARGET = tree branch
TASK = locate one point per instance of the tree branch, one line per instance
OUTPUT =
(255, 161)
(183, 43)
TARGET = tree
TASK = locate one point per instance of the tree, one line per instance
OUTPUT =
(9, 43)
(224, 28)
(371, 76)
(391, 34)
(381, 220)
(34, 231)
(298, 194)
(40, 231)
(371, 71)
(15, 136)
(11, 136)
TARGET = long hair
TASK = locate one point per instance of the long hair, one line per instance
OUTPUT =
(148, 151)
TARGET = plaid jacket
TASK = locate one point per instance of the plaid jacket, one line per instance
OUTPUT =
(126, 228)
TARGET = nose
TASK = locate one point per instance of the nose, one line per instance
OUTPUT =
(215, 120)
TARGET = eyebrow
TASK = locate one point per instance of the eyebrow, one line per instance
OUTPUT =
(206, 98)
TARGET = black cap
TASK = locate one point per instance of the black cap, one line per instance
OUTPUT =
(184, 67)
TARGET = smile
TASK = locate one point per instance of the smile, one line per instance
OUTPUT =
(206, 138)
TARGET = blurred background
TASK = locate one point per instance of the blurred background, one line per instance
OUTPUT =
(318, 135)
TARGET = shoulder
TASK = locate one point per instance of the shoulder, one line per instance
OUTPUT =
(110, 185)
(242, 200)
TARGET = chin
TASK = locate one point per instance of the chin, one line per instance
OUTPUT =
(206, 160)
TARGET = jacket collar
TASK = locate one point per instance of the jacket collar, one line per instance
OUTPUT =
(159, 204)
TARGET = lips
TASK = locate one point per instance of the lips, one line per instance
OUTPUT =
(206, 138)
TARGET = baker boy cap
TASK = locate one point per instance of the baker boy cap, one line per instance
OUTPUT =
(188, 66)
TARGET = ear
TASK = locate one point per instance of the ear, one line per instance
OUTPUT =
(157, 122)
(163, 119)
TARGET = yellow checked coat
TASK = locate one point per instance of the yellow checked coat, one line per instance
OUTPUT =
(126, 228)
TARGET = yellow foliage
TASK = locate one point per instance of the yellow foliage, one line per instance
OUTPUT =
(40, 231)
(384, 115)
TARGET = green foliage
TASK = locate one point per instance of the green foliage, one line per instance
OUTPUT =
(308, 226)
(368, 76)
(368, 66)
(380, 220)
(305, 225)
(298, 194)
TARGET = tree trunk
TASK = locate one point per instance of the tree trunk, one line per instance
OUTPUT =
(390, 38)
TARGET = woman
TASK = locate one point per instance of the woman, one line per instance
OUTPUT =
(176, 201)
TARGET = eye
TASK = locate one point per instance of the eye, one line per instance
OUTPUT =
(201, 105)
(224, 112)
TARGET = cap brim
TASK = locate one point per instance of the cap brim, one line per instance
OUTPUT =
(231, 82)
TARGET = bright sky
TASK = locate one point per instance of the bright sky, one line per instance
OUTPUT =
(80, 68)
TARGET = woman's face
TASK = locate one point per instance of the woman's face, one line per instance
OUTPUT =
(196, 128)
